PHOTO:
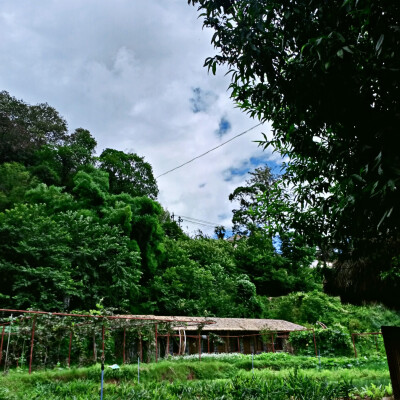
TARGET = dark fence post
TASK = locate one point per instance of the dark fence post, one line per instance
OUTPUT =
(124, 343)
(32, 340)
(1, 346)
(156, 337)
(391, 338)
(354, 345)
(69, 349)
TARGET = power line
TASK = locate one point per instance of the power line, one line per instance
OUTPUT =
(200, 220)
(209, 151)
(198, 223)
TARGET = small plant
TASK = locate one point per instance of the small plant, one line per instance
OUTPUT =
(375, 392)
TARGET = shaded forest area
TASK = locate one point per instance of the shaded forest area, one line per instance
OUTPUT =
(80, 231)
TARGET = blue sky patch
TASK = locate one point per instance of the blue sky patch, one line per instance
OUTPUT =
(202, 100)
(251, 165)
(224, 127)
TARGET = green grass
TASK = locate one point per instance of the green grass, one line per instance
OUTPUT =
(221, 377)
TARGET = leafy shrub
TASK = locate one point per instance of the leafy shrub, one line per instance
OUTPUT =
(333, 341)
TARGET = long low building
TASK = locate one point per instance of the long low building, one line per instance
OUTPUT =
(194, 335)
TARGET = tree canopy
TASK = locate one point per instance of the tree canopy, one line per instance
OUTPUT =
(327, 75)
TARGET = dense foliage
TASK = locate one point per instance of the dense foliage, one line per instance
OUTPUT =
(326, 74)
(77, 231)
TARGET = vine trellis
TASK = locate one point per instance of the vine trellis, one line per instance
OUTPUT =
(46, 339)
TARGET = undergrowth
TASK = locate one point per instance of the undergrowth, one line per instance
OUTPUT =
(229, 376)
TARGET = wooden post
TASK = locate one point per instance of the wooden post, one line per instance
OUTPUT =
(140, 347)
(94, 347)
(208, 344)
(272, 341)
(199, 347)
(69, 350)
(1, 346)
(391, 339)
(167, 349)
(354, 345)
(123, 351)
(102, 344)
(32, 339)
(156, 334)
(238, 340)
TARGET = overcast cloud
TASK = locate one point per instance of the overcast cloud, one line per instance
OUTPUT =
(131, 71)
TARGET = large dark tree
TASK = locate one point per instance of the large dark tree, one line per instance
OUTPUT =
(128, 173)
(327, 74)
(24, 127)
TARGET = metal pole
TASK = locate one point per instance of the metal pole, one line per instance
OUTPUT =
(102, 377)
(32, 339)
(354, 345)
(123, 354)
(156, 342)
(69, 350)
(1, 346)
(315, 343)
(8, 343)
(138, 370)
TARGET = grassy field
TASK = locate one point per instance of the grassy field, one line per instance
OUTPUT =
(275, 376)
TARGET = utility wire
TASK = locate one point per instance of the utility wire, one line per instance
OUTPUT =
(198, 223)
(209, 151)
(200, 220)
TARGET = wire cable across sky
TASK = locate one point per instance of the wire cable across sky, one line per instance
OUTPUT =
(209, 151)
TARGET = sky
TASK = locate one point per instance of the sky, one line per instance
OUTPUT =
(131, 72)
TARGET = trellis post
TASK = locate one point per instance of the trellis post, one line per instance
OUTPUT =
(354, 345)
(140, 347)
(8, 343)
(272, 341)
(123, 353)
(69, 349)
(102, 343)
(156, 334)
(94, 346)
(199, 347)
(1, 345)
(32, 340)
(167, 352)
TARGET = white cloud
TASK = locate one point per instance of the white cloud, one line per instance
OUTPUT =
(126, 70)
